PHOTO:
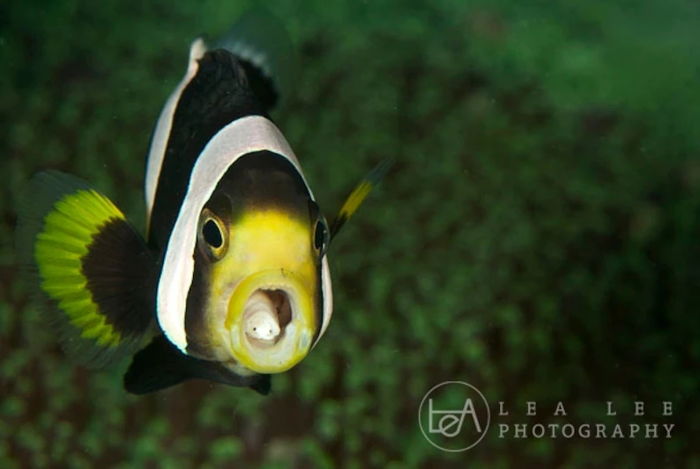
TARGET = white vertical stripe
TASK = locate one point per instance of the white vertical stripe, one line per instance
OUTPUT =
(242, 136)
(161, 134)
(327, 292)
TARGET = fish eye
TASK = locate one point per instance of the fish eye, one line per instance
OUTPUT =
(321, 236)
(213, 234)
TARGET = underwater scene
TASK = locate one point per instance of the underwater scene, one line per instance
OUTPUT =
(355, 234)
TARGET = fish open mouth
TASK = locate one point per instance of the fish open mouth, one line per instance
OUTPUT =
(271, 321)
(267, 313)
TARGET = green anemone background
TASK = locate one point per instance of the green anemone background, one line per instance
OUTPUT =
(538, 236)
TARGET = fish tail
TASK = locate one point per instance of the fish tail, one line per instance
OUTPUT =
(90, 266)
(262, 45)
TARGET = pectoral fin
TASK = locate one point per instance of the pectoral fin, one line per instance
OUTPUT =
(86, 259)
(358, 195)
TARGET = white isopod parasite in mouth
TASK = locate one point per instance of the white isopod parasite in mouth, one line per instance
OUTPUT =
(262, 321)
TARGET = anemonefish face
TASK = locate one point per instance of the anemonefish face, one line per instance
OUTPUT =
(259, 268)
(244, 278)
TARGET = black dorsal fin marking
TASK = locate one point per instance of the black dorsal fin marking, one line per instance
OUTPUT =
(161, 365)
(261, 43)
(262, 85)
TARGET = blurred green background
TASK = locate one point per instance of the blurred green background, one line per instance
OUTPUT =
(537, 237)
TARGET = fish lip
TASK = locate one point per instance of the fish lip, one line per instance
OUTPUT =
(293, 314)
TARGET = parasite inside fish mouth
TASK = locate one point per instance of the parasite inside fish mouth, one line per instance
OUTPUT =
(267, 312)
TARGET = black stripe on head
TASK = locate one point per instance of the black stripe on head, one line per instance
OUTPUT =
(263, 180)
(217, 95)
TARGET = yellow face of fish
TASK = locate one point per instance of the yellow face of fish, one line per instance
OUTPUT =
(267, 274)
(258, 280)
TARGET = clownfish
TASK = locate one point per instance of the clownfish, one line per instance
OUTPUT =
(230, 282)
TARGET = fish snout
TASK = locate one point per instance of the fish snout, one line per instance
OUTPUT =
(271, 321)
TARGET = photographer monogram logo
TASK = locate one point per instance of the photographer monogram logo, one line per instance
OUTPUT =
(455, 416)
